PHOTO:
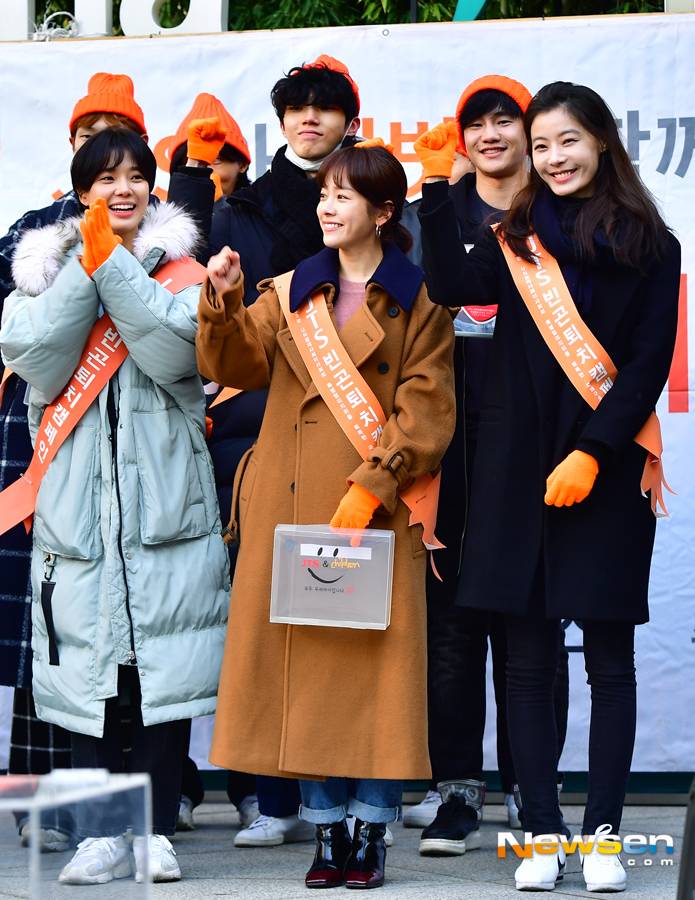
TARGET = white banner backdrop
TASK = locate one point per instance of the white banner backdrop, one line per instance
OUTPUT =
(410, 77)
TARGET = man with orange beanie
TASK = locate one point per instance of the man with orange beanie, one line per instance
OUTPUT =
(208, 159)
(489, 129)
(109, 103)
(36, 746)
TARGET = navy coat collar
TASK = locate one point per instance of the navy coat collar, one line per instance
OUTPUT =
(400, 278)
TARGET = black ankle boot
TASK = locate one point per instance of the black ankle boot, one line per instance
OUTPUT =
(365, 868)
(333, 848)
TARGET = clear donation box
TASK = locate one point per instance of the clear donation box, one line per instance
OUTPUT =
(65, 807)
(319, 578)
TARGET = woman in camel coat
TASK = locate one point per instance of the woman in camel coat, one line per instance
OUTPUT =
(306, 701)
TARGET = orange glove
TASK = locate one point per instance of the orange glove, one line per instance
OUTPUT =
(205, 139)
(572, 480)
(374, 142)
(436, 149)
(355, 510)
(97, 236)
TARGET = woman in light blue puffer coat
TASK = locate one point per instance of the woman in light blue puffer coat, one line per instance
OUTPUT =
(127, 524)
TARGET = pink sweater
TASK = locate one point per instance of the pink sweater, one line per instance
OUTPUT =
(352, 293)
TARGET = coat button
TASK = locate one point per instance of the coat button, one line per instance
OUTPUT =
(127, 556)
(383, 367)
(292, 487)
(393, 312)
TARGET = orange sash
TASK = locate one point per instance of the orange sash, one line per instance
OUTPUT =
(349, 398)
(582, 358)
(225, 394)
(101, 357)
(5, 375)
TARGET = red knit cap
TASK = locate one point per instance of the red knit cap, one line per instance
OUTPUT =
(108, 93)
(205, 106)
(335, 65)
(514, 89)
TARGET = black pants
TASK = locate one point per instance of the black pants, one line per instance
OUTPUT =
(157, 750)
(457, 660)
(191, 782)
(533, 643)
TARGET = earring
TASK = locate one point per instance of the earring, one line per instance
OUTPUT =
(378, 231)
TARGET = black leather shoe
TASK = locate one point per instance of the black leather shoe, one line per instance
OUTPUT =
(333, 847)
(365, 868)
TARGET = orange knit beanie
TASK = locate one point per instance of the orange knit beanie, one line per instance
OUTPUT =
(108, 93)
(206, 106)
(335, 65)
(514, 89)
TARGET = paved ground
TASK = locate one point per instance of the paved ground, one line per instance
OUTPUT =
(212, 868)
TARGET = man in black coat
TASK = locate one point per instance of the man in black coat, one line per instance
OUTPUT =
(489, 129)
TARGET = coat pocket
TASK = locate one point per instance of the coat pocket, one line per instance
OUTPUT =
(416, 533)
(171, 497)
(66, 518)
(247, 482)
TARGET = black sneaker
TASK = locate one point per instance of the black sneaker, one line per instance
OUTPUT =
(456, 827)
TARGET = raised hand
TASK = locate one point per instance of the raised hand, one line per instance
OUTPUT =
(436, 150)
(224, 270)
(205, 139)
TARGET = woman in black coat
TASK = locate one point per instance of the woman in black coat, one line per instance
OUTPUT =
(576, 545)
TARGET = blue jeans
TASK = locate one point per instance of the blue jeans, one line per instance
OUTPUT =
(374, 800)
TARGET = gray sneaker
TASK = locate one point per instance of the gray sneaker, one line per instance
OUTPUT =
(185, 820)
(50, 839)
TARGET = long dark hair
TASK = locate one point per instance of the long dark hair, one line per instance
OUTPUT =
(377, 175)
(621, 208)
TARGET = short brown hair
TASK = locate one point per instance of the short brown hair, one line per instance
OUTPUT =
(113, 120)
(377, 175)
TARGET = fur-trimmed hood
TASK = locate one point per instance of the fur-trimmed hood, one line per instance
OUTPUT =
(167, 232)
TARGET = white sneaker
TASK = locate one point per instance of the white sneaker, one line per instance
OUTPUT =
(50, 839)
(603, 872)
(267, 831)
(388, 836)
(541, 872)
(97, 861)
(248, 810)
(512, 811)
(185, 819)
(424, 813)
(161, 858)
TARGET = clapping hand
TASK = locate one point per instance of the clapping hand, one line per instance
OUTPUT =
(97, 236)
